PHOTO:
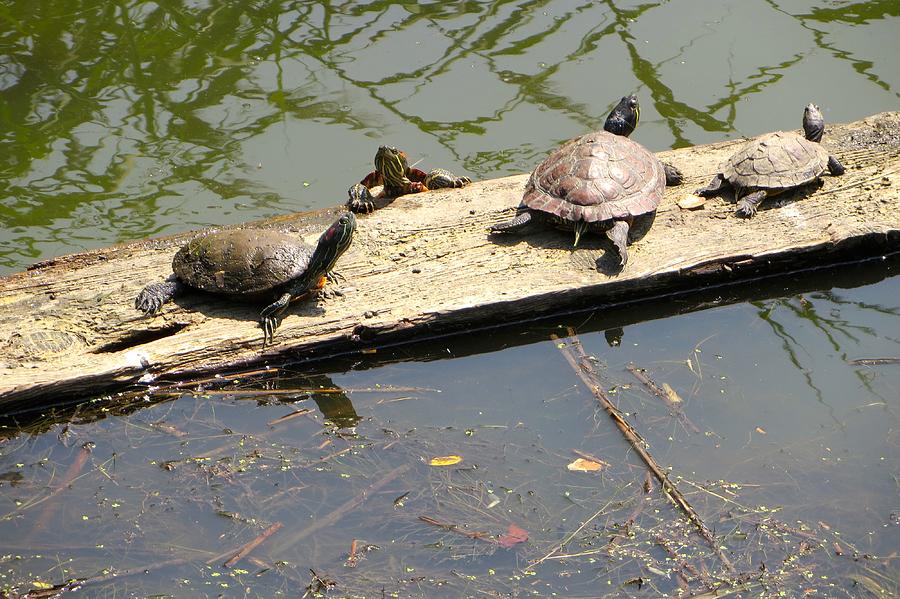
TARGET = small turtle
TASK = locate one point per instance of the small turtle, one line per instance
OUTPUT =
(775, 163)
(600, 182)
(392, 170)
(252, 264)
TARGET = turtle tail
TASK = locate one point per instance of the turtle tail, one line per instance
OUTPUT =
(521, 221)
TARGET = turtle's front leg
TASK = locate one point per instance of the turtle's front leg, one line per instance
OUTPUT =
(673, 175)
(372, 179)
(718, 184)
(271, 316)
(835, 167)
(748, 204)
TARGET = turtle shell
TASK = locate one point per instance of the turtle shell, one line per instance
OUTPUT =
(241, 261)
(778, 160)
(596, 177)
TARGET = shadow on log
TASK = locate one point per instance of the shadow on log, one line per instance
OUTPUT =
(425, 266)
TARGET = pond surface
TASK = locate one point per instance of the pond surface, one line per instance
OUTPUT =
(131, 119)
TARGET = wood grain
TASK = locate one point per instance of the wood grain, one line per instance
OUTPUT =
(426, 265)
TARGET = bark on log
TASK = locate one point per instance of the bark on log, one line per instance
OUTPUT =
(426, 265)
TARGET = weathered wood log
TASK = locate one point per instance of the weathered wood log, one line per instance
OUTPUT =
(426, 265)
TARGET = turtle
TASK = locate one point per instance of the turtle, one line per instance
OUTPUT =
(601, 182)
(392, 170)
(252, 264)
(775, 163)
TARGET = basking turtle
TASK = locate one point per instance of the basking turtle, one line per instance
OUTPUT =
(775, 163)
(601, 182)
(392, 170)
(252, 264)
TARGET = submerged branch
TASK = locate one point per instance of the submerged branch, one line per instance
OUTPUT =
(636, 441)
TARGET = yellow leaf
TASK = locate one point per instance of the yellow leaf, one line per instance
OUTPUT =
(760, 431)
(672, 394)
(583, 465)
(447, 460)
(41, 585)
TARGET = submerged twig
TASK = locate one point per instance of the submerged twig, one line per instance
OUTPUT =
(637, 442)
(341, 510)
(478, 535)
(71, 473)
(243, 551)
(874, 361)
(674, 408)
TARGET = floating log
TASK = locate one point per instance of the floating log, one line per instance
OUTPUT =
(426, 265)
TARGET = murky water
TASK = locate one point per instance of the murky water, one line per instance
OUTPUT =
(125, 120)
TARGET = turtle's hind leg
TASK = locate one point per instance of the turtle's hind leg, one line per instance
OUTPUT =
(747, 205)
(618, 234)
(522, 221)
(718, 184)
(153, 296)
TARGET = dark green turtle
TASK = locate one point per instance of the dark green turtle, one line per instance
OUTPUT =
(392, 170)
(775, 163)
(601, 182)
(252, 264)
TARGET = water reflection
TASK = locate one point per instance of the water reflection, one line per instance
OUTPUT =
(125, 120)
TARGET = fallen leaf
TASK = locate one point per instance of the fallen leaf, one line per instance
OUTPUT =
(760, 431)
(447, 460)
(583, 465)
(691, 202)
(671, 394)
(514, 535)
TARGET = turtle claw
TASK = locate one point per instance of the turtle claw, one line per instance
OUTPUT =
(268, 324)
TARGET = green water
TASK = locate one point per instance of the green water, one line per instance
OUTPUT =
(124, 120)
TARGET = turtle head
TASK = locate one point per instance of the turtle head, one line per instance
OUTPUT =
(813, 123)
(332, 243)
(393, 165)
(624, 117)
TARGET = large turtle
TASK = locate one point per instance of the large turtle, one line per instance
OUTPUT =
(392, 170)
(600, 182)
(775, 163)
(252, 264)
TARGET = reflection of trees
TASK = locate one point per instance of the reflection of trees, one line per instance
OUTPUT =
(858, 13)
(833, 328)
(136, 102)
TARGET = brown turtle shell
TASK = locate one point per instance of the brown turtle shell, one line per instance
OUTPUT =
(597, 177)
(241, 261)
(778, 160)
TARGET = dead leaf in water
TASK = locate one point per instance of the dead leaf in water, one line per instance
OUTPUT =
(514, 535)
(583, 465)
(447, 460)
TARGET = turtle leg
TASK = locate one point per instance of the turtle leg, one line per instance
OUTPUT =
(270, 316)
(361, 199)
(441, 178)
(835, 167)
(673, 175)
(414, 181)
(718, 184)
(153, 296)
(521, 221)
(372, 179)
(747, 205)
(618, 234)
